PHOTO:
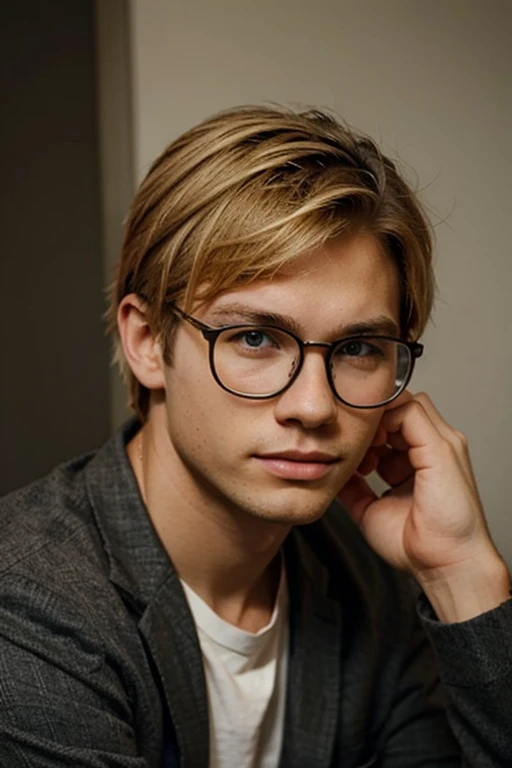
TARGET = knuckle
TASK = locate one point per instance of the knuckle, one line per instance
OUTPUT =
(449, 450)
(417, 407)
(461, 438)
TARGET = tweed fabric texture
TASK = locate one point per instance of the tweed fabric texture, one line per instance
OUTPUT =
(100, 664)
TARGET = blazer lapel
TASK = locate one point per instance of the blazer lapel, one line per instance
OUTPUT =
(145, 576)
(168, 629)
(313, 691)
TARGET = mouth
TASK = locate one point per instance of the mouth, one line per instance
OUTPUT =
(298, 465)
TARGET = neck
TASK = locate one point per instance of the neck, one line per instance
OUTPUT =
(228, 557)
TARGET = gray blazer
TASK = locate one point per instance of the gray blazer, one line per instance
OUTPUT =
(100, 663)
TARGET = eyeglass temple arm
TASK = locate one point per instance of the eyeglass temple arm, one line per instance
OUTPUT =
(192, 320)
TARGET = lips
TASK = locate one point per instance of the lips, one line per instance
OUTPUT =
(298, 465)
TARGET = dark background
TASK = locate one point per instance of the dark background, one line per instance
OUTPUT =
(54, 387)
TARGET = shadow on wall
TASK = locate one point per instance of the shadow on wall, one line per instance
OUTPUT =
(54, 359)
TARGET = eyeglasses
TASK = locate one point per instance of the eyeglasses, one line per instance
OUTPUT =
(260, 362)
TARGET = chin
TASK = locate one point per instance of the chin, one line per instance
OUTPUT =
(294, 520)
(292, 513)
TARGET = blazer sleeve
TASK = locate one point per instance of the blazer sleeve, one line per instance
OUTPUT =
(61, 703)
(475, 664)
(413, 727)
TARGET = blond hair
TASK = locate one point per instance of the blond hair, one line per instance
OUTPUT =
(245, 192)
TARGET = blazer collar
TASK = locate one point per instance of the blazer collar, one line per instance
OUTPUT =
(143, 572)
(138, 563)
(147, 580)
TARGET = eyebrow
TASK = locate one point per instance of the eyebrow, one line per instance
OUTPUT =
(377, 326)
(381, 325)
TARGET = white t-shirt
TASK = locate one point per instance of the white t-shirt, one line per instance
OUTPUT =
(246, 684)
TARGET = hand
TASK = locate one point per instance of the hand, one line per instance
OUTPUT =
(431, 521)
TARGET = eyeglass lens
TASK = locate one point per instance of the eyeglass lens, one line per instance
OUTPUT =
(364, 371)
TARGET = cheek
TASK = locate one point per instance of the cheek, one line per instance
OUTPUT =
(202, 419)
(361, 429)
(190, 408)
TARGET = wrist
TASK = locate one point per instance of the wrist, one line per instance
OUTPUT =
(463, 591)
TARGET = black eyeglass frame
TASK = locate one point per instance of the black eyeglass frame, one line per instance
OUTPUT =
(211, 334)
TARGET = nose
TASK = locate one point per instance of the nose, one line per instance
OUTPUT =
(310, 400)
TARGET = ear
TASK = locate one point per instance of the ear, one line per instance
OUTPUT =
(141, 348)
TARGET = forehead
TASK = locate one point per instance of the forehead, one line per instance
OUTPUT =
(344, 282)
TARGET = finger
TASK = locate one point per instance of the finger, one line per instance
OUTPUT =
(403, 489)
(395, 468)
(456, 439)
(371, 458)
(369, 462)
(412, 423)
(446, 431)
(397, 441)
(404, 397)
(442, 426)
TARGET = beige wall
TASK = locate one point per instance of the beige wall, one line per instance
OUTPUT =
(431, 80)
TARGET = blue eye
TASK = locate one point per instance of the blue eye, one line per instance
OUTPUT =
(254, 338)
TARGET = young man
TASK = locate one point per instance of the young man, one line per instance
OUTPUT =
(193, 594)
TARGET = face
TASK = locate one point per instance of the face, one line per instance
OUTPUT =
(282, 459)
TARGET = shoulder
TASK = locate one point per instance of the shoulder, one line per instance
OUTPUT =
(69, 649)
(43, 518)
(53, 566)
(61, 617)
